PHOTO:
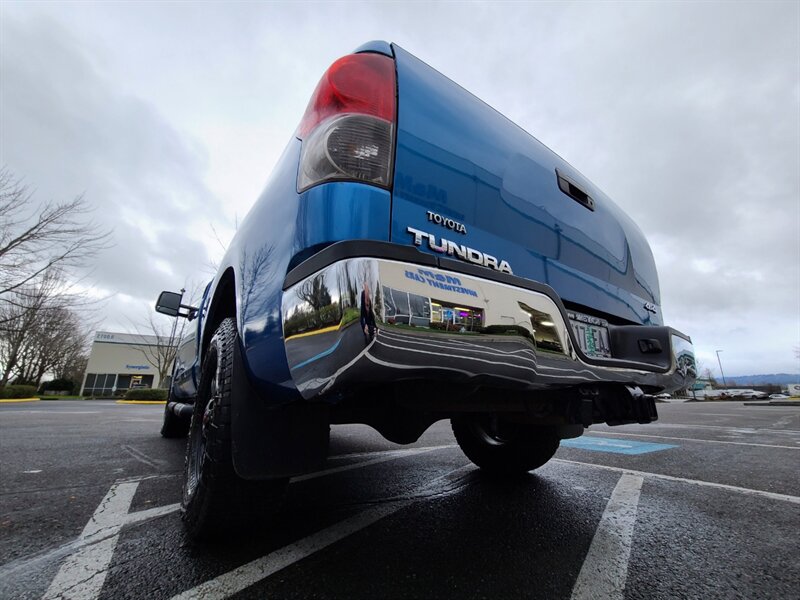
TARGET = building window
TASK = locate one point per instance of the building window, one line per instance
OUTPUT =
(103, 384)
(406, 308)
(90, 377)
(452, 317)
(99, 384)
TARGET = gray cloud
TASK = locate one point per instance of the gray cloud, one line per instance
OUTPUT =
(67, 130)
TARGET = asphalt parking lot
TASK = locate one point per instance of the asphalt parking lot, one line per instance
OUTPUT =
(703, 504)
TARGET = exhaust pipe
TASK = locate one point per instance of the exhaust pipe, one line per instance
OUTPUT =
(180, 410)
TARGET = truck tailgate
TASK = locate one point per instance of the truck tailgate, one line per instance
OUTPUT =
(459, 159)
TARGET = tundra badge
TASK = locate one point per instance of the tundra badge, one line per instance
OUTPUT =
(459, 251)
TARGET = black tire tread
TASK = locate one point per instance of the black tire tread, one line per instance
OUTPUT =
(224, 503)
(528, 451)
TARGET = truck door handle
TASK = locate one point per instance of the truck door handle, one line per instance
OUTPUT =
(573, 190)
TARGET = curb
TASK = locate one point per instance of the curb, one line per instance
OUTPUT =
(315, 332)
(11, 400)
(141, 401)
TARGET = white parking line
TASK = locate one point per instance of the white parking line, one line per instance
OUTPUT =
(37, 561)
(151, 513)
(722, 486)
(390, 455)
(605, 568)
(726, 415)
(82, 575)
(248, 574)
(397, 454)
(142, 457)
(667, 437)
(746, 430)
(394, 451)
(251, 573)
(159, 511)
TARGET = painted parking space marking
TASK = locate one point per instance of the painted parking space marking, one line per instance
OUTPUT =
(605, 568)
(374, 461)
(242, 577)
(398, 451)
(232, 582)
(687, 439)
(614, 445)
(82, 575)
(87, 558)
(700, 482)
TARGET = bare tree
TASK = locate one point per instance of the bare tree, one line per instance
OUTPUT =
(315, 292)
(53, 236)
(57, 338)
(709, 376)
(161, 344)
(255, 270)
(39, 330)
(18, 318)
(163, 337)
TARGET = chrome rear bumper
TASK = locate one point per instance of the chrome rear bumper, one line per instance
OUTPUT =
(435, 324)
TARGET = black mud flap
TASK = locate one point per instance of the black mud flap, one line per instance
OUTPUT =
(274, 442)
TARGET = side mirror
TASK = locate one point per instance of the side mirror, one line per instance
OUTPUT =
(169, 303)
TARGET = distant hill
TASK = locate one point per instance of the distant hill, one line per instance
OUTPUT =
(774, 379)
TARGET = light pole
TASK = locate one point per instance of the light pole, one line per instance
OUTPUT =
(175, 323)
(721, 371)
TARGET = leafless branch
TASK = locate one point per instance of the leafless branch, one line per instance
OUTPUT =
(54, 235)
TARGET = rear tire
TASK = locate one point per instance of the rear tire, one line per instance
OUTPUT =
(502, 448)
(216, 501)
(173, 426)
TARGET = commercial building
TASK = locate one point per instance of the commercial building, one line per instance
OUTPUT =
(118, 362)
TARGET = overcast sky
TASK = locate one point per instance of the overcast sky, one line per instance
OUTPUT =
(170, 116)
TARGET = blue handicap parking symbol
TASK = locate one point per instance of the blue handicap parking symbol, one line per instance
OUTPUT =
(618, 446)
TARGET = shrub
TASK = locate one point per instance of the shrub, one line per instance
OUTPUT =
(57, 385)
(146, 394)
(18, 391)
(350, 314)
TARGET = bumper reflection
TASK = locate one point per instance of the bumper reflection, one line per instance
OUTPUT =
(369, 320)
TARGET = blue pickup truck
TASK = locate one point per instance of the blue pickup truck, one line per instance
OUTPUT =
(415, 256)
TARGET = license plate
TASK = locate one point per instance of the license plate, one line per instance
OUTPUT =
(592, 334)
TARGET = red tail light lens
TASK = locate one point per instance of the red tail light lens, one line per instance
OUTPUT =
(348, 127)
(358, 83)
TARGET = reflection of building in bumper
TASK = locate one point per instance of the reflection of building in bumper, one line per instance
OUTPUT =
(434, 324)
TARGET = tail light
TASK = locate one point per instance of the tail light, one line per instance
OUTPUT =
(348, 127)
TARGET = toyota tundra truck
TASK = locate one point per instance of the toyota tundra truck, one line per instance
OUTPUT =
(414, 256)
